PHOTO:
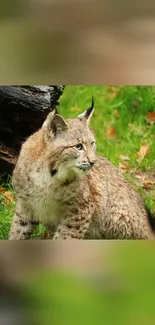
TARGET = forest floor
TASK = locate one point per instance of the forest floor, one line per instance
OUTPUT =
(124, 128)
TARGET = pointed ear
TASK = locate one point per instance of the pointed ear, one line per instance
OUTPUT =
(57, 124)
(88, 113)
(50, 116)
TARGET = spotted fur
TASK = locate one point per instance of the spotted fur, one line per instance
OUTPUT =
(61, 182)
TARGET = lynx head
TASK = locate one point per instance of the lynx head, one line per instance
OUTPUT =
(70, 144)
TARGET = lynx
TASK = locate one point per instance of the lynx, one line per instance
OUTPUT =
(62, 183)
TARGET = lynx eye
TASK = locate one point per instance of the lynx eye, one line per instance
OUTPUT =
(79, 146)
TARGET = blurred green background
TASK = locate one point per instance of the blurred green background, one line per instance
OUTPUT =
(121, 291)
(86, 282)
(124, 128)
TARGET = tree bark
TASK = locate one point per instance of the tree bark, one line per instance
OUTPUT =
(22, 111)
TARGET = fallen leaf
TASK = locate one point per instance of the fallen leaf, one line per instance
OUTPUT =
(144, 150)
(123, 167)
(145, 180)
(125, 158)
(110, 132)
(8, 195)
(116, 113)
(141, 177)
(151, 117)
(75, 109)
(147, 184)
(2, 190)
(113, 90)
(8, 199)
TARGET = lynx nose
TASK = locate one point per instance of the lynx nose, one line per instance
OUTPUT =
(89, 164)
(92, 162)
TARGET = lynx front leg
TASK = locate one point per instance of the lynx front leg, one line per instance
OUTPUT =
(74, 226)
(20, 228)
(50, 230)
(22, 225)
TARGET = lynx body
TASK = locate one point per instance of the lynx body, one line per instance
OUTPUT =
(61, 182)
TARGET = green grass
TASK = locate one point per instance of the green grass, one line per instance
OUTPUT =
(6, 209)
(66, 298)
(121, 109)
(131, 104)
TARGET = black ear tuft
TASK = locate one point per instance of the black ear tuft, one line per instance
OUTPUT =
(88, 113)
(90, 109)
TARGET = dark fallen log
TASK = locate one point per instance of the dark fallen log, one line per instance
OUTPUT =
(22, 111)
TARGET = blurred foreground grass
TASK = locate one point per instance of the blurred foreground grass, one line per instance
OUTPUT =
(120, 292)
(124, 127)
